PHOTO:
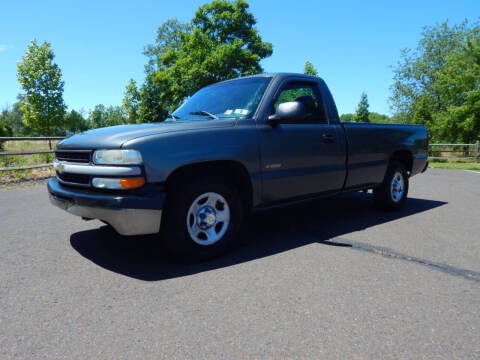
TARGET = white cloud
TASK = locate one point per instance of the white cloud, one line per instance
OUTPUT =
(4, 47)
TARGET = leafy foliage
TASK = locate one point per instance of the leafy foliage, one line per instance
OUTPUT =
(347, 117)
(102, 116)
(459, 86)
(293, 94)
(13, 119)
(4, 131)
(151, 108)
(362, 112)
(74, 121)
(221, 42)
(309, 69)
(131, 101)
(41, 80)
(373, 117)
(438, 83)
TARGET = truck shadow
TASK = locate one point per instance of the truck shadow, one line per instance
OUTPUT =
(264, 234)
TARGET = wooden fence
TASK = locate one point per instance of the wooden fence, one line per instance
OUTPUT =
(457, 151)
(16, 153)
(454, 151)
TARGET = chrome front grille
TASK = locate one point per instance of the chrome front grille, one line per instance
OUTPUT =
(74, 156)
(80, 157)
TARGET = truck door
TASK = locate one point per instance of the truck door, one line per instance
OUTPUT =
(303, 157)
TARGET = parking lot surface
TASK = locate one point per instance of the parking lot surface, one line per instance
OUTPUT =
(331, 279)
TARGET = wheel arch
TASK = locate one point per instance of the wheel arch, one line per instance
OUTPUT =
(233, 170)
(404, 156)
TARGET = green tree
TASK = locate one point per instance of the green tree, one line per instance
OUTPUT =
(221, 42)
(459, 85)
(116, 116)
(437, 83)
(347, 117)
(309, 69)
(102, 116)
(131, 101)
(13, 118)
(74, 121)
(4, 131)
(375, 117)
(41, 80)
(362, 112)
(98, 117)
(151, 108)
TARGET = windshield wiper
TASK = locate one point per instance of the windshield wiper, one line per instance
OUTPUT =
(204, 113)
(174, 117)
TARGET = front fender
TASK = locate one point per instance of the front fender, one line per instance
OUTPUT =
(164, 153)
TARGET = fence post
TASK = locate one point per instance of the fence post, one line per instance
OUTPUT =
(4, 157)
(477, 148)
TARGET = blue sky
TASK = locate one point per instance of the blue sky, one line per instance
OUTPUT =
(98, 44)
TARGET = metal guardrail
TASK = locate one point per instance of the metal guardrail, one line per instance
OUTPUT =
(28, 138)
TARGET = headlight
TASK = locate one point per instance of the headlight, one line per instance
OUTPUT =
(117, 157)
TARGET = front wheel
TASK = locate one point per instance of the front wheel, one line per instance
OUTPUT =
(202, 217)
(392, 193)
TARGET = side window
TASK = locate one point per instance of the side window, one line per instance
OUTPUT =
(307, 93)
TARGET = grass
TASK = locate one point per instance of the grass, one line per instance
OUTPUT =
(7, 177)
(28, 145)
(14, 178)
(455, 165)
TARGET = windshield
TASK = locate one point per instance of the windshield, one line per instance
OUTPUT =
(237, 98)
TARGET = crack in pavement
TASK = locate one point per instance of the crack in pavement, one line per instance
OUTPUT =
(392, 254)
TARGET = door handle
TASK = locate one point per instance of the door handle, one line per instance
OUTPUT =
(328, 138)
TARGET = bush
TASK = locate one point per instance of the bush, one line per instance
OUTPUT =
(4, 131)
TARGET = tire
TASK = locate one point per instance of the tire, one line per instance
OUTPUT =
(392, 193)
(202, 217)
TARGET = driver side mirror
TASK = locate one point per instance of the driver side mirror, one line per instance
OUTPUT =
(287, 111)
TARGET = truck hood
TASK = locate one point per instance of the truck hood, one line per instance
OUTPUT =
(114, 137)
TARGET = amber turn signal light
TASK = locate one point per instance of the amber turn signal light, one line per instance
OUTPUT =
(131, 183)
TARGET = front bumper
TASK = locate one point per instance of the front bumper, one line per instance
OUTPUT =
(133, 213)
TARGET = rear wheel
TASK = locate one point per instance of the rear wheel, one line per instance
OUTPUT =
(392, 193)
(202, 217)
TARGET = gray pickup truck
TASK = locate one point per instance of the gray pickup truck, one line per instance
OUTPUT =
(234, 147)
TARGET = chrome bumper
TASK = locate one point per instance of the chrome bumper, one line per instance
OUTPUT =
(124, 221)
(98, 170)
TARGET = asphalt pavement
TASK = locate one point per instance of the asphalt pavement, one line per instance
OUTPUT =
(332, 279)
